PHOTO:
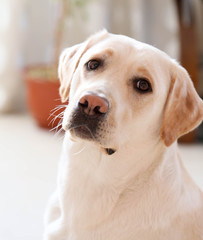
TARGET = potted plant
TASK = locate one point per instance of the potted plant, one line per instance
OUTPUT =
(42, 81)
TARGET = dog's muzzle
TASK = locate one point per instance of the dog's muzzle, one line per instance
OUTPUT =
(88, 116)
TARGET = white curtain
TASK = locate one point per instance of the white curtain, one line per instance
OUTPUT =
(151, 21)
(10, 44)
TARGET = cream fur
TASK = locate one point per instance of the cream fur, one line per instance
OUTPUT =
(142, 191)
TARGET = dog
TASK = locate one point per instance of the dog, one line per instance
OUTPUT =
(120, 176)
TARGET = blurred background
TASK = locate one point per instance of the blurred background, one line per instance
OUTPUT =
(32, 35)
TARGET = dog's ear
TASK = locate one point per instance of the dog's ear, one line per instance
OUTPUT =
(67, 65)
(69, 61)
(184, 108)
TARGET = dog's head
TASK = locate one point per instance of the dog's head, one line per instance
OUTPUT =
(122, 90)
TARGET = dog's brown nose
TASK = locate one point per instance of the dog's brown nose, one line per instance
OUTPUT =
(94, 105)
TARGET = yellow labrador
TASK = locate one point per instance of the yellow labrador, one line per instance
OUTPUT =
(120, 175)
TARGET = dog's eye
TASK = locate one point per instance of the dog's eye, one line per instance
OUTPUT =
(93, 65)
(142, 85)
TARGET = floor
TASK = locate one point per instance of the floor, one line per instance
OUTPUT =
(28, 164)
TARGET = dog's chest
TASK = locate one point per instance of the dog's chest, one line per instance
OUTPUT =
(86, 201)
(95, 205)
(93, 214)
(91, 203)
(93, 209)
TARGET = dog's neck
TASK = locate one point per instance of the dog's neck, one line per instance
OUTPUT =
(126, 163)
(94, 179)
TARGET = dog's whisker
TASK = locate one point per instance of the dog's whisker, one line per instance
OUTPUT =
(74, 127)
(80, 150)
(92, 135)
(52, 121)
(53, 111)
(58, 107)
(56, 128)
(59, 132)
(60, 115)
(58, 125)
(54, 118)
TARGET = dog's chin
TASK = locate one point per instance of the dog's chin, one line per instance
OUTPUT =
(84, 133)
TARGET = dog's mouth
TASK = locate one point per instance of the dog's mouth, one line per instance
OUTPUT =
(91, 128)
(84, 132)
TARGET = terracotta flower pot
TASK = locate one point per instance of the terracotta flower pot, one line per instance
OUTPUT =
(43, 95)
